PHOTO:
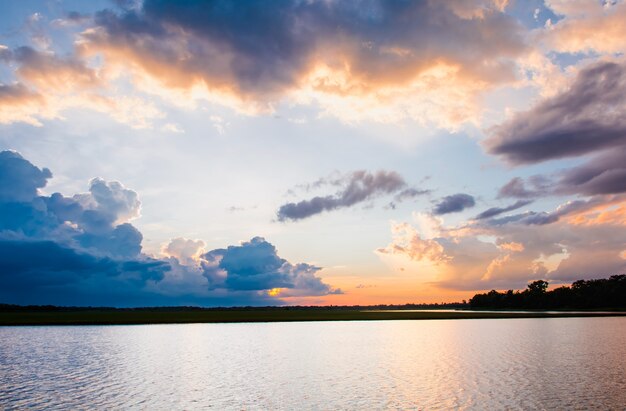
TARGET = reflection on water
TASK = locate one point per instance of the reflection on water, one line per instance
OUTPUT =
(462, 311)
(550, 363)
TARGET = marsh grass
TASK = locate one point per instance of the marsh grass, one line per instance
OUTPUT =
(171, 316)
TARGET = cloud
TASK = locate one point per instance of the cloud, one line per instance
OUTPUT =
(19, 179)
(602, 174)
(586, 120)
(587, 27)
(587, 117)
(111, 199)
(406, 194)
(407, 241)
(82, 250)
(72, 18)
(528, 218)
(607, 213)
(43, 257)
(494, 211)
(255, 266)
(355, 187)
(19, 104)
(454, 203)
(94, 223)
(46, 70)
(47, 84)
(482, 256)
(45, 272)
(535, 186)
(185, 250)
(429, 61)
(570, 209)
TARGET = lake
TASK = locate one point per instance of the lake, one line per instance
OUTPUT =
(547, 363)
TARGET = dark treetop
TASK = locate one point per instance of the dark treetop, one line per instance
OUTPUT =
(582, 294)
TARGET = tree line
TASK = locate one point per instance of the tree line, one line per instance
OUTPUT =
(408, 306)
(582, 294)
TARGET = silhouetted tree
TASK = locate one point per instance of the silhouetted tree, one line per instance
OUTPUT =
(601, 293)
(538, 287)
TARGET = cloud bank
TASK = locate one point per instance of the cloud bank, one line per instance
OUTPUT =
(428, 61)
(83, 250)
(509, 253)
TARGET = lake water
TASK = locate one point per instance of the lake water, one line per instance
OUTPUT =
(552, 363)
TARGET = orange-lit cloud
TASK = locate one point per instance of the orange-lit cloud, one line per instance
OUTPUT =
(611, 214)
(48, 85)
(587, 242)
(431, 62)
(587, 26)
(19, 104)
(512, 246)
(187, 251)
(318, 52)
(407, 241)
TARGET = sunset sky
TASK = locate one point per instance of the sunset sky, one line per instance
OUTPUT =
(308, 152)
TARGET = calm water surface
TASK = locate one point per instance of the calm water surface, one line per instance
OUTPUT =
(552, 363)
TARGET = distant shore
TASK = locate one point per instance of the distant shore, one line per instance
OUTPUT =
(76, 316)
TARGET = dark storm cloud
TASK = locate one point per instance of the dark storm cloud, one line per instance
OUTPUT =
(255, 266)
(494, 211)
(44, 257)
(454, 203)
(45, 272)
(588, 117)
(259, 48)
(47, 242)
(356, 187)
(35, 263)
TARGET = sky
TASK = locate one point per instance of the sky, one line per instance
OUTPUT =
(314, 152)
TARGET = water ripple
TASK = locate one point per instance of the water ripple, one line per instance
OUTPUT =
(561, 363)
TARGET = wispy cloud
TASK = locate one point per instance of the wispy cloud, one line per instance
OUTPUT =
(454, 203)
(494, 211)
(354, 188)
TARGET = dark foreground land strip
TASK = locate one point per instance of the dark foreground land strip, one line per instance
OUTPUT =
(121, 317)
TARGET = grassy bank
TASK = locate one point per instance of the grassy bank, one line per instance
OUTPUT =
(164, 316)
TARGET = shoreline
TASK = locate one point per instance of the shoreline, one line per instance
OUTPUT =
(146, 316)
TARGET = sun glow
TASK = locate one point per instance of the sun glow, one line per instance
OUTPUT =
(274, 292)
